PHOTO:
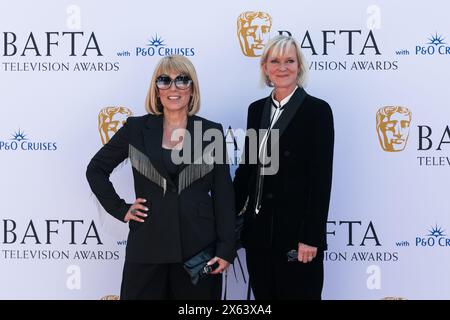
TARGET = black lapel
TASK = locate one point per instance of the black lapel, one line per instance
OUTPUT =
(265, 117)
(290, 110)
(189, 144)
(153, 133)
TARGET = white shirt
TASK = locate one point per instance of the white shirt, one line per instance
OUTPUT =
(275, 113)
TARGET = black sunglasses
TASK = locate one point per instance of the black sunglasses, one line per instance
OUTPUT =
(182, 82)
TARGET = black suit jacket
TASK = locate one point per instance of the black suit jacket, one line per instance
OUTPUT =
(295, 201)
(184, 216)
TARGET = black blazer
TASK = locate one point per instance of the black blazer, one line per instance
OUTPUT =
(295, 201)
(184, 216)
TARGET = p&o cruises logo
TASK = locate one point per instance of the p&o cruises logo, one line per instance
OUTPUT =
(20, 141)
(435, 237)
(435, 46)
(156, 46)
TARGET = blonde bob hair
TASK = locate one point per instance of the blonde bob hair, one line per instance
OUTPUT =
(177, 64)
(277, 46)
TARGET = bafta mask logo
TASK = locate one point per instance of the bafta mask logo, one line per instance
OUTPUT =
(111, 119)
(110, 297)
(253, 30)
(393, 127)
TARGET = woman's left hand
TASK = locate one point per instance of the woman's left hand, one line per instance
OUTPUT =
(306, 253)
(223, 265)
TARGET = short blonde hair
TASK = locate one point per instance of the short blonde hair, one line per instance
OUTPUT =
(177, 64)
(278, 46)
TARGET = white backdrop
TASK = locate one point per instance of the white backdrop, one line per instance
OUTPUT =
(389, 221)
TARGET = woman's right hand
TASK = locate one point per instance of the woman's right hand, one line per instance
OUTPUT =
(134, 212)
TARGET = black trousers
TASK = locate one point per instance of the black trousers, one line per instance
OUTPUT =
(166, 281)
(273, 277)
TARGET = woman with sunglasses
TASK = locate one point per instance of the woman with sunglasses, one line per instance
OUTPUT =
(184, 194)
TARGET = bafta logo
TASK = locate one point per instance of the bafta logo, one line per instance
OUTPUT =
(110, 297)
(393, 127)
(111, 119)
(253, 30)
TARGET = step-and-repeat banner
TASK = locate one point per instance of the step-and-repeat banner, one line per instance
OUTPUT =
(72, 71)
